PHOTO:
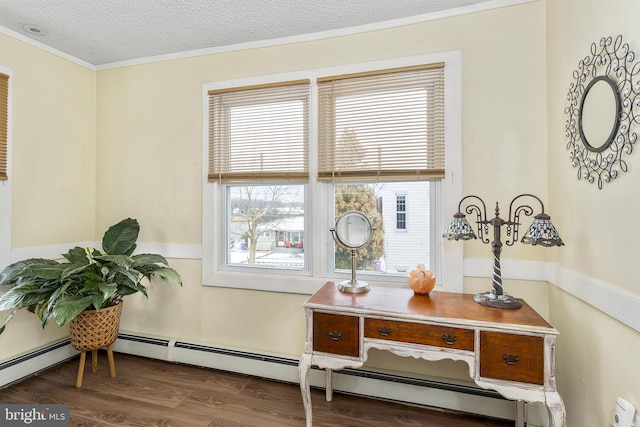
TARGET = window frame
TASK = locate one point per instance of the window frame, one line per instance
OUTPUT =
(318, 221)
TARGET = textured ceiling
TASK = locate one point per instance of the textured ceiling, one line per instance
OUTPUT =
(107, 31)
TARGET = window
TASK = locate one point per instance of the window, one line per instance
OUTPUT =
(374, 139)
(259, 133)
(382, 125)
(258, 145)
(5, 165)
(384, 133)
(401, 212)
(265, 226)
(4, 124)
(389, 253)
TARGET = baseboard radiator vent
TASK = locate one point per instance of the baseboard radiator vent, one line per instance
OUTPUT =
(365, 382)
(36, 361)
(388, 386)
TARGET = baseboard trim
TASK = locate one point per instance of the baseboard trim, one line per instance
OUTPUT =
(391, 386)
(33, 362)
(462, 397)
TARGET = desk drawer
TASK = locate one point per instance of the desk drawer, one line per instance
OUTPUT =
(418, 333)
(336, 333)
(512, 357)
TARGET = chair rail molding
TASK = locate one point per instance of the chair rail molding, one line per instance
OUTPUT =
(618, 304)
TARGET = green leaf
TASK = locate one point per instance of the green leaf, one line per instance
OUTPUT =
(168, 275)
(89, 286)
(57, 294)
(122, 260)
(127, 275)
(77, 255)
(108, 289)
(97, 302)
(67, 309)
(74, 268)
(10, 299)
(145, 259)
(45, 318)
(132, 288)
(10, 274)
(22, 296)
(120, 239)
(47, 272)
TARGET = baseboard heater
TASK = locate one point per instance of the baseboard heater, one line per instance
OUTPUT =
(362, 373)
(36, 361)
(365, 382)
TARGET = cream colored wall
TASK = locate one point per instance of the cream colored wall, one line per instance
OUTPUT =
(597, 357)
(54, 127)
(150, 157)
(53, 164)
(149, 153)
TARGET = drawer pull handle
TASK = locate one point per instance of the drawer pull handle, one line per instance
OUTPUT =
(511, 359)
(385, 332)
(449, 339)
(335, 335)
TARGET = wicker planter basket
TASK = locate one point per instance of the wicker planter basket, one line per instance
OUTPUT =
(95, 329)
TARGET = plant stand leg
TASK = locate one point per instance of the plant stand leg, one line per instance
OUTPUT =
(83, 358)
(112, 365)
(94, 361)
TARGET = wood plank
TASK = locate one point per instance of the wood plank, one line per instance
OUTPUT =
(150, 392)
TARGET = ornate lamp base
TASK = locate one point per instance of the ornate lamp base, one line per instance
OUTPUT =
(352, 287)
(498, 301)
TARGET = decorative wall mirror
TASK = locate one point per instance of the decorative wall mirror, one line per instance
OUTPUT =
(598, 121)
(603, 114)
(353, 231)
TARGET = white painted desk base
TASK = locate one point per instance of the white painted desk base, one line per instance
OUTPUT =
(511, 391)
(442, 310)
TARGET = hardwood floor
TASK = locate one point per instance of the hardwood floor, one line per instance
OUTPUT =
(149, 392)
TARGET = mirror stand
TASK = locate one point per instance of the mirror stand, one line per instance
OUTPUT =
(353, 231)
(353, 286)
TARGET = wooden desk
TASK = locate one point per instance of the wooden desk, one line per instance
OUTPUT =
(509, 351)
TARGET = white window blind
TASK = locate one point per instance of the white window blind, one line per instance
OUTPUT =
(4, 124)
(259, 133)
(384, 124)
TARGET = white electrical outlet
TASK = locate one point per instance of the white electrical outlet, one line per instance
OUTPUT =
(624, 414)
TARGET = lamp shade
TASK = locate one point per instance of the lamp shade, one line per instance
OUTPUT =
(459, 229)
(542, 232)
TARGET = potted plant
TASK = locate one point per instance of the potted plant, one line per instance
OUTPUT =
(87, 279)
(85, 288)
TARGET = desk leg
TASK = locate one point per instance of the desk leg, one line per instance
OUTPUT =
(329, 389)
(555, 406)
(520, 413)
(303, 368)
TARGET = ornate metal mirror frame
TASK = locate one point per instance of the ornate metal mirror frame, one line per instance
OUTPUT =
(603, 111)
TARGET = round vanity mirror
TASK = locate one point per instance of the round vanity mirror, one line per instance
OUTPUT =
(599, 114)
(353, 231)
